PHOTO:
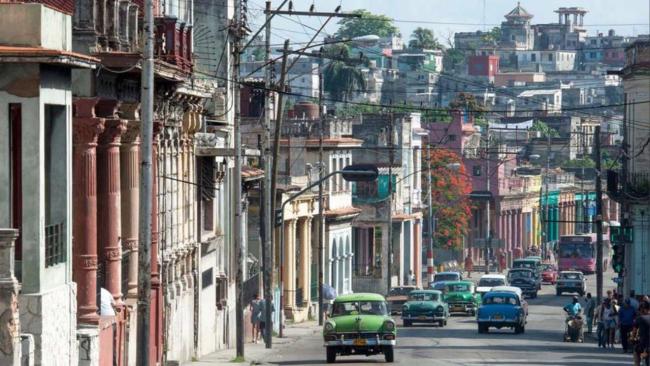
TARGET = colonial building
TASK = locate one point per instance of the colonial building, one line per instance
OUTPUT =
(36, 155)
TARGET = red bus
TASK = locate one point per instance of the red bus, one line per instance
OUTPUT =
(577, 252)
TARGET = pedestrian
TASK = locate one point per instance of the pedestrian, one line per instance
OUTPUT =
(502, 261)
(633, 301)
(411, 278)
(255, 307)
(600, 315)
(590, 308)
(263, 316)
(642, 327)
(612, 323)
(469, 265)
(626, 321)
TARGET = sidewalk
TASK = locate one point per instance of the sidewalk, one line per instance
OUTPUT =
(257, 353)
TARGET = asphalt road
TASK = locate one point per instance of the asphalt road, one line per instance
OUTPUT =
(460, 344)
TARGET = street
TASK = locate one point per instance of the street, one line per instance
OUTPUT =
(460, 344)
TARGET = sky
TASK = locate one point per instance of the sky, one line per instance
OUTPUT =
(627, 17)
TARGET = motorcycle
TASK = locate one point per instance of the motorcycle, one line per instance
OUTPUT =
(573, 328)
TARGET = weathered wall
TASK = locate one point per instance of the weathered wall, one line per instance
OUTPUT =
(180, 323)
(52, 318)
(35, 25)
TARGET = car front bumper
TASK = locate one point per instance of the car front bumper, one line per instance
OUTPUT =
(355, 343)
(423, 318)
(499, 323)
(461, 308)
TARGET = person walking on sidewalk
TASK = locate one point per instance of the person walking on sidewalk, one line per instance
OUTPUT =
(469, 265)
(642, 329)
(256, 314)
(590, 308)
(626, 321)
(263, 318)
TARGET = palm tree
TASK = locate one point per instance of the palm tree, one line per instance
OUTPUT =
(341, 79)
(423, 38)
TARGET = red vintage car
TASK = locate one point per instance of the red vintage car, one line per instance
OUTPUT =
(549, 273)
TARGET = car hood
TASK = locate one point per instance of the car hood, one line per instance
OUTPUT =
(359, 323)
(422, 305)
(459, 296)
(505, 310)
(397, 298)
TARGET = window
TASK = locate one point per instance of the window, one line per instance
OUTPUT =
(452, 138)
(207, 193)
(15, 190)
(476, 170)
(55, 181)
(533, 57)
(550, 57)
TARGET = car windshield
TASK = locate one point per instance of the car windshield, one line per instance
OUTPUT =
(420, 296)
(570, 276)
(491, 282)
(572, 250)
(458, 287)
(530, 265)
(438, 286)
(520, 274)
(400, 291)
(500, 300)
(445, 277)
(359, 307)
(548, 267)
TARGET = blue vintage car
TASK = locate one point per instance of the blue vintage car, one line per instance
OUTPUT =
(501, 309)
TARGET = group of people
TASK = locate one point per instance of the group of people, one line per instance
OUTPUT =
(627, 319)
(258, 316)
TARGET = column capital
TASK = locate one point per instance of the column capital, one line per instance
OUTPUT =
(129, 110)
(114, 129)
(86, 130)
(108, 108)
(84, 107)
(131, 135)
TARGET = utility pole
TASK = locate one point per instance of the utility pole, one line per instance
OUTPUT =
(321, 202)
(430, 268)
(599, 217)
(239, 30)
(274, 169)
(488, 236)
(389, 232)
(144, 236)
(547, 222)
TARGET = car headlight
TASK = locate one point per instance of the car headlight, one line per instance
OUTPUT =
(405, 308)
(389, 325)
(329, 327)
(440, 309)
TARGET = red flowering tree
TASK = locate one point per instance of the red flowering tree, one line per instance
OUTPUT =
(450, 194)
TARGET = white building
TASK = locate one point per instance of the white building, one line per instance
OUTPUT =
(543, 61)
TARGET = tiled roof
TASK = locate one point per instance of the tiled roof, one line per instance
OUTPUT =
(519, 12)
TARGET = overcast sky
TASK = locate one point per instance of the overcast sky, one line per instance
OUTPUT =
(625, 16)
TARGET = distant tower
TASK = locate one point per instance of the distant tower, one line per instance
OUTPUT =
(573, 21)
(516, 31)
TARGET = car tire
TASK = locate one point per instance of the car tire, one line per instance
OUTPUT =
(444, 323)
(519, 329)
(441, 323)
(407, 323)
(389, 354)
(331, 354)
(558, 293)
(482, 329)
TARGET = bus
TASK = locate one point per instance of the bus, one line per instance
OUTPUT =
(577, 252)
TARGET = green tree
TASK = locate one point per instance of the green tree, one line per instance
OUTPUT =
(452, 58)
(423, 38)
(368, 24)
(467, 102)
(545, 130)
(579, 163)
(493, 36)
(341, 79)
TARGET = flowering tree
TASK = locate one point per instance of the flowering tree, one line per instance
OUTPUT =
(450, 194)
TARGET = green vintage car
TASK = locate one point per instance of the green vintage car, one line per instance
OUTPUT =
(425, 306)
(461, 296)
(359, 324)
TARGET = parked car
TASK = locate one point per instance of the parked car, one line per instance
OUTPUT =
(461, 297)
(425, 306)
(397, 296)
(501, 309)
(488, 281)
(359, 324)
(549, 273)
(571, 281)
(525, 279)
(514, 290)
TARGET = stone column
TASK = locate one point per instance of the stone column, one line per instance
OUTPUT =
(520, 229)
(10, 347)
(155, 325)
(305, 263)
(130, 196)
(109, 213)
(289, 270)
(86, 128)
(417, 252)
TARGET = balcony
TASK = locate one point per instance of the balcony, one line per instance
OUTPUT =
(174, 43)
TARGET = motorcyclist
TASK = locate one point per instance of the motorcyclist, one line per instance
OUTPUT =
(574, 320)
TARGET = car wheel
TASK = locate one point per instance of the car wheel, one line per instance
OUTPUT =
(331, 354)
(444, 323)
(558, 293)
(441, 323)
(389, 354)
(407, 323)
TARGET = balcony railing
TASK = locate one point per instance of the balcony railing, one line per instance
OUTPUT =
(638, 184)
(54, 244)
(174, 43)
